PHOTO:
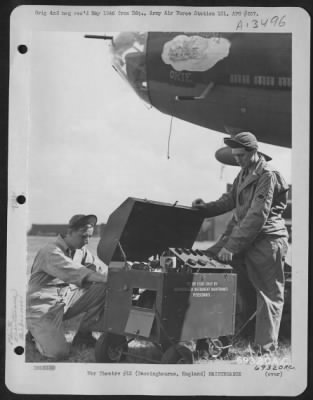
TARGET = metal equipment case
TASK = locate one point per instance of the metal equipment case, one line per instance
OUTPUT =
(159, 288)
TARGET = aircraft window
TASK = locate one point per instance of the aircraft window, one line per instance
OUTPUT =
(264, 80)
(129, 59)
(260, 80)
(241, 79)
(284, 82)
(246, 79)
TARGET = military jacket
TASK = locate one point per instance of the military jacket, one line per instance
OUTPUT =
(54, 268)
(258, 202)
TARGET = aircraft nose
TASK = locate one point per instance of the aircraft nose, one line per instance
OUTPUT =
(129, 60)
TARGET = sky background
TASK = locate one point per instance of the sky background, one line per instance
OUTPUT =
(94, 142)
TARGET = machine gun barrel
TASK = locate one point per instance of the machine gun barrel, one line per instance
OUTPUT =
(99, 37)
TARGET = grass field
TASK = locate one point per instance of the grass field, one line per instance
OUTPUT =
(240, 348)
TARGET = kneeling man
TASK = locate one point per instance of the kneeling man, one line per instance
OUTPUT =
(65, 282)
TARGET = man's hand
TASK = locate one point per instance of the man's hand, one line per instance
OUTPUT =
(225, 255)
(100, 272)
(199, 204)
(100, 267)
(96, 277)
(93, 267)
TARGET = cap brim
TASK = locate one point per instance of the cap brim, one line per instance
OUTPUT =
(225, 156)
(266, 157)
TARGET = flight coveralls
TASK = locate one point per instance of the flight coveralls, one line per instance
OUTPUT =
(258, 234)
(57, 291)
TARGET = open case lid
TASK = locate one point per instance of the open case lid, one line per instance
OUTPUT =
(145, 228)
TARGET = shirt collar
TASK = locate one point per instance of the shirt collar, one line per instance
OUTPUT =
(257, 167)
(62, 244)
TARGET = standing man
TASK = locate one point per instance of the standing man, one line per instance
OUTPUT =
(256, 232)
(65, 282)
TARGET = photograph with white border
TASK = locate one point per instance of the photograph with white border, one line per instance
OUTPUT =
(158, 175)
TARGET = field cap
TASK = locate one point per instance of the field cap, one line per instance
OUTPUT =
(245, 140)
(81, 220)
(225, 156)
(242, 139)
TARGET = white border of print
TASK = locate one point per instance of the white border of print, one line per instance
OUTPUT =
(68, 378)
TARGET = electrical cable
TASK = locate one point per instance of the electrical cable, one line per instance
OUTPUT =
(169, 138)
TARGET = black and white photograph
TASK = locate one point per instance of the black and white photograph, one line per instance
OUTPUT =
(158, 183)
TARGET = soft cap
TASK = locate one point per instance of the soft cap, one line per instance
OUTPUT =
(243, 139)
(81, 220)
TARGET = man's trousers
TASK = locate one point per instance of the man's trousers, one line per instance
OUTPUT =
(48, 330)
(263, 264)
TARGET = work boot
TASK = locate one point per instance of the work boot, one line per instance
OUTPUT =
(84, 338)
(202, 348)
(259, 350)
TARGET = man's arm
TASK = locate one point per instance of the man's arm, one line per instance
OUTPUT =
(96, 277)
(216, 247)
(225, 203)
(245, 233)
(93, 263)
(60, 266)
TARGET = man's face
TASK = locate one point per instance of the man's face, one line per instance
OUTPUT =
(79, 238)
(243, 157)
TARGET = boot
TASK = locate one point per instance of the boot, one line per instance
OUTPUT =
(84, 338)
